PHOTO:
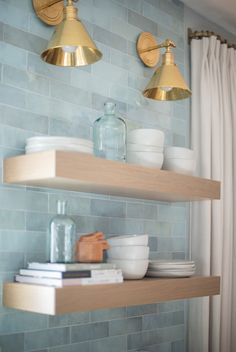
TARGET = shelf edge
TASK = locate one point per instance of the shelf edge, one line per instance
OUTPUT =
(53, 301)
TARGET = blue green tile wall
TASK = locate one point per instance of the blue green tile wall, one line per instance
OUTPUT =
(36, 98)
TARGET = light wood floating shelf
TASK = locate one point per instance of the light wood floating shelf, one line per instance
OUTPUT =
(50, 300)
(86, 173)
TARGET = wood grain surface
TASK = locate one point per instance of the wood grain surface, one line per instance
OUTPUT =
(86, 173)
(49, 300)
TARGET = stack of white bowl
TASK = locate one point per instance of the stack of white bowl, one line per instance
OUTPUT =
(130, 254)
(181, 160)
(43, 143)
(145, 147)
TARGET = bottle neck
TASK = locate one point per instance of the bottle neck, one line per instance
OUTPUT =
(109, 109)
(61, 207)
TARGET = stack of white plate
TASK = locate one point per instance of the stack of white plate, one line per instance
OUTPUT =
(145, 147)
(181, 160)
(43, 143)
(171, 268)
(130, 254)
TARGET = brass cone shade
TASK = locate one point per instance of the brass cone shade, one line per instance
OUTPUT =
(71, 45)
(167, 82)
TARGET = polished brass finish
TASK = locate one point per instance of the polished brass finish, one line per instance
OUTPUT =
(49, 11)
(207, 34)
(71, 44)
(166, 44)
(44, 4)
(167, 82)
(146, 41)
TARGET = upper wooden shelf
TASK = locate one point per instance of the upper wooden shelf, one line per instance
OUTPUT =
(50, 300)
(86, 173)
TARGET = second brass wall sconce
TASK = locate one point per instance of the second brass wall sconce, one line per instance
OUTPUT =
(167, 82)
(71, 44)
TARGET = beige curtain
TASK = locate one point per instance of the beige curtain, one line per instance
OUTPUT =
(213, 75)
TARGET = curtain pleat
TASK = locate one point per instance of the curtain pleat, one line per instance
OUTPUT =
(201, 126)
(213, 128)
(233, 109)
(215, 156)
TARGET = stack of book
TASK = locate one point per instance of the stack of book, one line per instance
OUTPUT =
(60, 274)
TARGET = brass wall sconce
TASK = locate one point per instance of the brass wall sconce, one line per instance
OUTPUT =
(71, 44)
(167, 82)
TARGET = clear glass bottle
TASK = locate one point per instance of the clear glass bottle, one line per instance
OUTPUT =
(109, 135)
(62, 236)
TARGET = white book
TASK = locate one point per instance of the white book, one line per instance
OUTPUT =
(70, 266)
(68, 282)
(71, 274)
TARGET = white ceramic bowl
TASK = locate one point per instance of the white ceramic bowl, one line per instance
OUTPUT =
(182, 166)
(149, 159)
(131, 269)
(127, 252)
(146, 136)
(128, 240)
(179, 153)
(135, 147)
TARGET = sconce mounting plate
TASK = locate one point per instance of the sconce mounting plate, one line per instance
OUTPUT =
(49, 11)
(145, 41)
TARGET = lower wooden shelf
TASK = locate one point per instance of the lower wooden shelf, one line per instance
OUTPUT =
(52, 301)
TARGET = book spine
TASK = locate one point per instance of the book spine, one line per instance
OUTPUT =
(39, 281)
(70, 274)
(81, 266)
(47, 266)
(68, 282)
(92, 281)
(75, 274)
(96, 273)
(106, 273)
(41, 273)
(70, 267)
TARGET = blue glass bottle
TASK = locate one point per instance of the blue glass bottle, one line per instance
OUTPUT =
(109, 135)
(62, 236)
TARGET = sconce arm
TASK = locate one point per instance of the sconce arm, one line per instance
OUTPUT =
(166, 44)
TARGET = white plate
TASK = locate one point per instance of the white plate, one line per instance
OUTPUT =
(81, 149)
(170, 274)
(58, 140)
(174, 266)
(163, 261)
(178, 268)
(174, 263)
(172, 269)
(52, 145)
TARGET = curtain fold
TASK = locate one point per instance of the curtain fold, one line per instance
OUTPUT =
(233, 107)
(213, 128)
(198, 320)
